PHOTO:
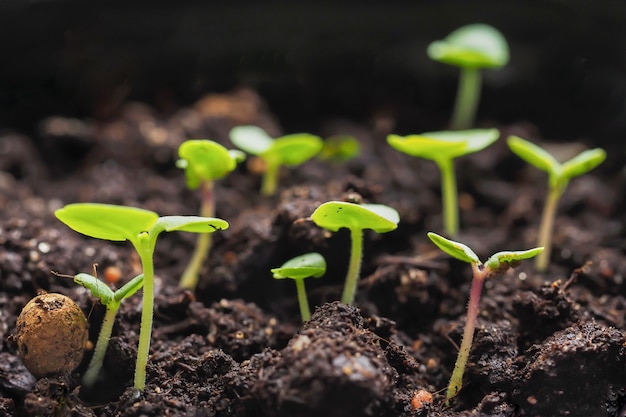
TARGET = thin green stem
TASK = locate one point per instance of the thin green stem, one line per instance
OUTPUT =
(467, 98)
(305, 312)
(189, 279)
(547, 225)
(269, 183)
(449, 196)
(354, 269)
(145, 332)
(456, 380)
(101, 345)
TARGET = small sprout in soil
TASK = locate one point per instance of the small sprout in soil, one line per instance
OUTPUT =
(334, 215)
(559, 176)
(204, 161)
(51, 335)
(112, 300)
(442, 148)
(497, 264)
(298, 268)
(141, 228)
(471, 48)
(291, 150)
(339, 148)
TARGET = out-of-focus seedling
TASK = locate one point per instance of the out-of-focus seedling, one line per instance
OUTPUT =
(298, 268)
(471, 48)
(291, 150)
(141, 227)
(559, 176)
(340, 148)
(334, 215)
(442, 148)
(204, 161)
(497, 264)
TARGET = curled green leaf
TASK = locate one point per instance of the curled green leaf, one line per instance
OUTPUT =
(303, 266)
(534, 155)
(455, 249)
(583, 162)
(496, 260)
(334, 215)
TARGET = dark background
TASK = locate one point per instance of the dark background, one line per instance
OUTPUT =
(315, 60)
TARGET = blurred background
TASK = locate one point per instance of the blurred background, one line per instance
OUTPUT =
(312, 61)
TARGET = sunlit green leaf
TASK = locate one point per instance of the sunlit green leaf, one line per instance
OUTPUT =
(507, 257)
(583, 162)
(534, 155)
(205, 160)
(251, 139)
(295, 149)
(444, 144)
(194, 224)
(334, 215)
(303, 266)
(455, 249)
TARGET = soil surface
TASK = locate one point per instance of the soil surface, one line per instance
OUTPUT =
(546, 344)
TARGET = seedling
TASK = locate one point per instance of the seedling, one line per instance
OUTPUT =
(204, 161)
(335, 215)
(442, 148)
(339, 148)
(141, 227)
(497, 264)
(112, 300)
(471, 48)
(559, 176)
(298, 268)
(290, 150)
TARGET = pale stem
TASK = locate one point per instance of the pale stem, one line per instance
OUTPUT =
(467, 97)
(354, 269)
(449, 196)
(145, 332)
(547, 225)
(189, 279)
(456, 381)
(305, 312)
(269, 182)
(101, 345)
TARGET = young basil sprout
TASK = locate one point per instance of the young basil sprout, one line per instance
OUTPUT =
(291, 150)
(112, 300)
(442, 148)
(471, 48)
(339, 148)
(204, 161)
(334, 215)
(495, 265)
(141, 227)
(298, 268)
(559, 176)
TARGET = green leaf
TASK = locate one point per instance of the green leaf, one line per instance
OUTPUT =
(334, 215)
(472, 46)
(205, 161)
(455, 249)
(106, 221)
(508, 257)
(193, 224)
(251, 139)
(295, 149)
(583, 162)
(444, 144)
(303, 266)
(534, 155)
(340, 148)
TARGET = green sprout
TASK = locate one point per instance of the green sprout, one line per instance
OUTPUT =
(339, 148)
(298, 268)
(112, 300)
(141, 227)
(559, 176)
(204, 161)
(471, 48)
(291, 150)
(442, 148)
(497, 264)
(334, 215)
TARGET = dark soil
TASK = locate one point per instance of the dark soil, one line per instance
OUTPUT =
(546, 344)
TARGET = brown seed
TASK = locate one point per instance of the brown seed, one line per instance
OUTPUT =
(51, 335)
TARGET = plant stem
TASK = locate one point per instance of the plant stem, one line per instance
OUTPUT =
(467, 97)
(270, 178)
(449, 196)
(354, 269)
(456, 380)
(101, 345)
(547, 225)
(305, 312)
(189, 279)
(145, 332)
